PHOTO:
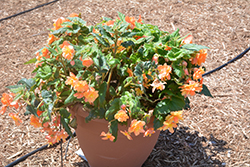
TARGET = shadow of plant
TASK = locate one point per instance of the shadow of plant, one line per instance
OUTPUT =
(186, 149)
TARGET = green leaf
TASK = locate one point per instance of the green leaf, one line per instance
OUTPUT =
(44, 72)
(175, 34)
(114, 106)
(121, 16)
(16, 88)
(31, 109)
(29, 83)
(77, 19)
(167, 105)
(114, 129)
(70, 98)
(47, 96)
(113, 62)
(194, 47)
(102, 93)
(60, 31)
(157, 123)
(101, 63)
(100, 39)
(205, 91)
(66, 126)
(64, 113)
(126, 44)
(31, 61)
(112, 91)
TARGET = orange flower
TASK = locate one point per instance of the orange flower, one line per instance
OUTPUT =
(191, 88)
(15, 117)
(126, 134)
(81, 86)
(157, 85)
(34, 121)
(3, 109)
(139, 37)
(68, 50)
(130, 72)
(198, 73)
(132, 21)
(107, 136)
(109, 23)
(51, 39)
(168, 48)
(91, 95)
(72, 80)
(121, 116)
(177, 115)
(200, 57)
(136, 127)
(45, 53)
(155, 59)
(74, 15)
(57, 25)
(7, 101)
(149, 132)
(164, 72)
(87, 61)
(170, 126)
(188, 39)
(55, 136)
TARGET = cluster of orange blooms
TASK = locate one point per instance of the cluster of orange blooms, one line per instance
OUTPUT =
(138, 127)
(82, 88)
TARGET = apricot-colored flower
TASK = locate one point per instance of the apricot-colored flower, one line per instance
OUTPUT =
(74, 15)
(136, 127)
(51, 39)
(155, 59)
(15, 117)
(188, 39)
(132, 21)
(158, 85)
(130, 72)
(58, 22)
(87, 61)
(3, 109)
(7, 101)
(121, 116)
(191, 88)
(81, 86)
(164, 72)
(45, 53)
(68, 50)
(71, 80)
(168, 48)
(109, 23)
(107, 136)
(177, 115)
(170, 126)
(125, 133)
(55, 136)
(91, 95)
(198, 73)
(34, 121)
(149, 132)
(200, 57)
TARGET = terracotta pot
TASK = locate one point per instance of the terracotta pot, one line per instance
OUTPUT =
(104, 153)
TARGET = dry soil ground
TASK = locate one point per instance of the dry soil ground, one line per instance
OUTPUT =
(215, 132)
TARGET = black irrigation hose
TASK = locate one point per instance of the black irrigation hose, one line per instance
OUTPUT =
(39, 6)
(47, 146)
(231, 61)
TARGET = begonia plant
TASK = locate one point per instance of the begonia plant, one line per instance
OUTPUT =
(123, 70)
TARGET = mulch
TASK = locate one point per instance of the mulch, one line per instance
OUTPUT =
(214, 132)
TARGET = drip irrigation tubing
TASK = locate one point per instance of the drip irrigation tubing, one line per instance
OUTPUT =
(47, 146)
(230, 61)
(39, 6)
